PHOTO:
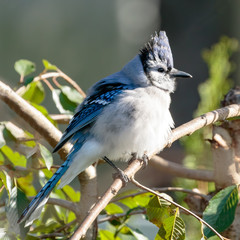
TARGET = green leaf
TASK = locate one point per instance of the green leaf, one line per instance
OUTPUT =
(44, 111)
(63, 104)
(33, 92)
(47, 156)
(2, 140)
(158, 210)
(26, 184)
(221, 210)
(137, 234)
(24, 67)
(7, 181)
(48, 65)
(15, 157)
(107, 235)
(72, 94)
(14, 208)
(113, 208)
(143, 199)
(71, 193)
(173, 228)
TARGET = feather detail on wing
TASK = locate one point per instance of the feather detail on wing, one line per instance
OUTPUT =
(104, 93)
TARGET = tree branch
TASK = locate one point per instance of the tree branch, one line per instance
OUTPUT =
(185, 129)
(177, 205)
(181, 171)
(33, 117)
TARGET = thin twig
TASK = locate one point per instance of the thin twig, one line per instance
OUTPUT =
(54, 79)
(164, 189)
(73, 83)
(185, 129)
(61, 118)
(48, 84)
(181, 171)
(72, 206)
(116, 216)
(176, 204)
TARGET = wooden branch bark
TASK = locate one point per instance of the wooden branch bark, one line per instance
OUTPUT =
(181, 171)
(185, 129)
(51, 134)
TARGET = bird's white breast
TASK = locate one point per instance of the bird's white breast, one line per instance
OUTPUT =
(138, 122)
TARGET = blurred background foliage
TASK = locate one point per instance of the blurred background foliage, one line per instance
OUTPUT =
(89, 40)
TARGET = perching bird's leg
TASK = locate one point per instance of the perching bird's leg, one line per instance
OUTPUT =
(120, 172)
(145, 160)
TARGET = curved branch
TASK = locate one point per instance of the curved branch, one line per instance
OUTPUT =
(181, 171)
(185, 129)
(33, 117)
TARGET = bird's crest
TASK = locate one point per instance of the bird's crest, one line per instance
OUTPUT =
(158, 49)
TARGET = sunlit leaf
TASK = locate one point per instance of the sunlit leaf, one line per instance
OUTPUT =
(47, 156)
(71, 193)
(15, 157)
(158, 210)
(14, 208)
(48, 65)
(72, 94)
(24, 67)
(44, 111)
(63, 104)
(113, 208)
(2, 140)
(25, 183)
(173, 228)
(138, 234)
(142, 199)
(33, 92)
(107, 235)
(6, 180)
(221, 210)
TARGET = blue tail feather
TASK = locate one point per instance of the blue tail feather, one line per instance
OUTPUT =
(45, 191)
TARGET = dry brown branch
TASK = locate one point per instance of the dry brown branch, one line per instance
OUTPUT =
(177, 205)
(33, 117)
(185, 129)
(48, 131)
(181, 171)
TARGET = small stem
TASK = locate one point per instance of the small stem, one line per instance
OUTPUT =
(177, 205)
(61, 118)
(73, 83)
(165, 189)
(116, 216)
(56, 82)
(21, 78)
(48, 84)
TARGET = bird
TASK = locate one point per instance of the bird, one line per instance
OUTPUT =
(123, 115)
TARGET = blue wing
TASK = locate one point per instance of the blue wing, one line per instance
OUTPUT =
(104, 93)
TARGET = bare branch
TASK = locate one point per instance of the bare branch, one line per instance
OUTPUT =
(177, 205)
(165, 189)
(33, 117)
(206, 119)
(181, 171)
(61, 118)
(185, 129)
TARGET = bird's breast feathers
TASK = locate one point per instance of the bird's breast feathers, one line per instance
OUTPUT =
(138, 122)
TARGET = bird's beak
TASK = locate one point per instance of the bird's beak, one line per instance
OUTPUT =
(176, 73)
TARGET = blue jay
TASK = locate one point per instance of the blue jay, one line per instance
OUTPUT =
(124, 114)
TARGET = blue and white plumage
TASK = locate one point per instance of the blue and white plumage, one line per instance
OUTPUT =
(123, 114)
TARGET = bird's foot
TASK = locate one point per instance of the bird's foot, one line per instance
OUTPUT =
(120, 173)
(145, 160)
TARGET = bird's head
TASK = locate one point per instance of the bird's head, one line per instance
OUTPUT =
(157, 61)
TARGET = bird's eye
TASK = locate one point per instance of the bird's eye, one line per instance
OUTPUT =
(160, 69)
